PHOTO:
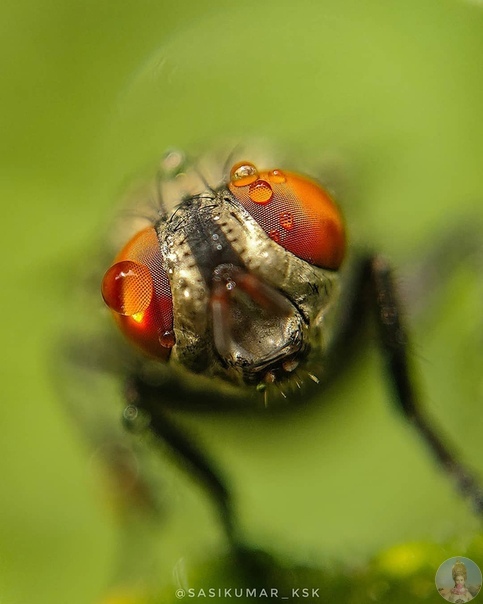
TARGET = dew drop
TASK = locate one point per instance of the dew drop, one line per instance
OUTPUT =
(135, 419)
(260, 192)
(127, 288)
(243, 173)
(130, 413)
(167, 339)
(277, 176)
(286, 221)
(275, 235)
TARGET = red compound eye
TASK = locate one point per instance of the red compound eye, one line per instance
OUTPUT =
(294, 211)
(136, 288)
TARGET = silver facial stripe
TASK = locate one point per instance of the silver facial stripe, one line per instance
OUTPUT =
(242, 303)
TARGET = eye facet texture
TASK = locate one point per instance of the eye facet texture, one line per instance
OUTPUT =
(294, 211)
(136, 288)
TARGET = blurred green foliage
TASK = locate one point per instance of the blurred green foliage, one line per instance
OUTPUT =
(387, 96)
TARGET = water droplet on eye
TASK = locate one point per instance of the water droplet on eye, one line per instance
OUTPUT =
(286, 221)
(277, 177)
(127, 288)
(167, 339)
(275, 235)
(243, 173)
(260, 192)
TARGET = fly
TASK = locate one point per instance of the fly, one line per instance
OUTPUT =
(246, 292)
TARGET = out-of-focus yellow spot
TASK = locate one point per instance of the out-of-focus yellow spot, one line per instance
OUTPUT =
(138, 317)
(123, 599)
(403, 560)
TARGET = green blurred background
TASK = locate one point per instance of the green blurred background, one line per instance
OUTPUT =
(387, 96)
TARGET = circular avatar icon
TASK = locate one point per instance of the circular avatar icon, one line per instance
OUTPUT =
(458, 580)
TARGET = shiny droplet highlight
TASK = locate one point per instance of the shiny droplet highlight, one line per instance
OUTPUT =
(286, 221)
(167, 339)
(243, 174)
(127, 288)
(277, 176)
(260, 192)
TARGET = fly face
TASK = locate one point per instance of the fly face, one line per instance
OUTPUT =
(240, 282)
(236, 282)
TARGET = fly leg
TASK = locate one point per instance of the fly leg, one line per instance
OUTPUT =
(395, 347)
(146, 401)
(250, 565)
(371, 284)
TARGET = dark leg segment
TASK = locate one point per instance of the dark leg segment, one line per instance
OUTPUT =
(395, 347)
(371, 283)
(145, 398)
